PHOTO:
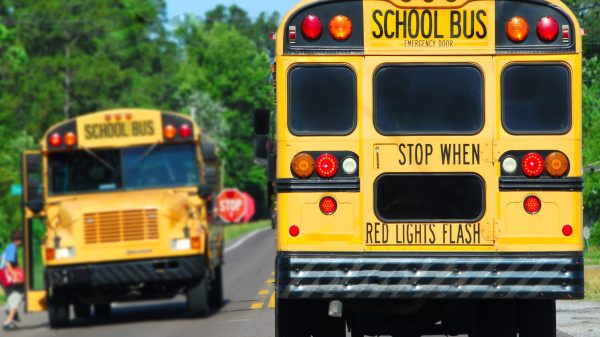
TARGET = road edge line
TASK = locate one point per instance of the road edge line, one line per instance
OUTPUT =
(243, 239)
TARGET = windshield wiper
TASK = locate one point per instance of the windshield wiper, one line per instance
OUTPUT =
(147, 153)
(99, 159)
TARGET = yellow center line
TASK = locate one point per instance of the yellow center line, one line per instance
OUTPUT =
(264, 292)
(257, 305)
(272, 301)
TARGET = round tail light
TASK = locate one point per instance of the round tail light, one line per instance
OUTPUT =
(547, 29)
(532, 204)
(70, 139)
(327, 165)
(328, 205)
(517, 29)
(567, 230)
(340, 27)
(55, 139)
(312, 27)
(170, 132)
(303, 165)
(557, 164)
(294, 231)
(532, 165)
(185, 130)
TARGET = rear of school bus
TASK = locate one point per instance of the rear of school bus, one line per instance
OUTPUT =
(428, 167)
(122, 213)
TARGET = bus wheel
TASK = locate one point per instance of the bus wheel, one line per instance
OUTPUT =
(537, 318)
(82, 310)
(197, 298)
(291, 320)
(102, 310)
(216, 289)
(58, 314)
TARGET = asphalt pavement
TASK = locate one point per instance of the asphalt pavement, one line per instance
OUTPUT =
(248, 281)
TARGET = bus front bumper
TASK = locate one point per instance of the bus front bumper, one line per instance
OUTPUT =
(181, 269)
(429, 276)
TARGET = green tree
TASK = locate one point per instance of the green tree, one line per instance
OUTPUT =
(588, 12)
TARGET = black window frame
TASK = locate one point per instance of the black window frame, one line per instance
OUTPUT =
(475, 66)
(569, 95)
(437, 174)
(321, 133)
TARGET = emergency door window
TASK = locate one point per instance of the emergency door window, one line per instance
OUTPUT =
(322, 100)
(419, 99)
(536, 99)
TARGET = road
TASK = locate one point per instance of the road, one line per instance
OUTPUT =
(248, 281)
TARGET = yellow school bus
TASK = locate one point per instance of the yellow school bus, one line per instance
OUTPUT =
(428, 167)
(118, 207)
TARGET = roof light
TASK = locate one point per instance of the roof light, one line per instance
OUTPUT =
(532, 204)
(328, 205)
(70, 139)
(340, 27)
(170, 132)
(509, 165)
(517, 29)
(312, 27)
(55, 139)
(547, 29)
(303, 165)
(327, 165)
(532, 165)
(185, 130)
(557, 164)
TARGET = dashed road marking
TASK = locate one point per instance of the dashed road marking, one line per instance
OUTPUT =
(266, 297)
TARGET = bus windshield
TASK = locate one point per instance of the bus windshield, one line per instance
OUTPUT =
(144, 167)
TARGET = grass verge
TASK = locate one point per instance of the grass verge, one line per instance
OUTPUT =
(235, 231)
(592, 284)
(592, 257)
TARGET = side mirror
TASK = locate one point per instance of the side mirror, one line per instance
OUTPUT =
(261, 152)
(262, 121)
(33, 194)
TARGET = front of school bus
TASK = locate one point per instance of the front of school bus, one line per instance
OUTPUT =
(428, 167)
(125, 214)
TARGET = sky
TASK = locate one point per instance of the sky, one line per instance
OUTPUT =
(253, 7)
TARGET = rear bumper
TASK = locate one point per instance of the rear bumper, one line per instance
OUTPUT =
(181, 270)
(429, 276)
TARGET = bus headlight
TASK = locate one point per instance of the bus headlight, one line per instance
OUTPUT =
(181, 244)
(64, 253)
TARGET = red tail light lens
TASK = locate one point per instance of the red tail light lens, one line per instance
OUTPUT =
(312, 27)
(185, 130)
(517, 29)
(567, 230)
(55, 139)
(327, 165)
(294, 231)
(70, 139)
(170, 132)
(328, 205)
(532, 204)
(340, 27)
(533, 165)
(547, 29)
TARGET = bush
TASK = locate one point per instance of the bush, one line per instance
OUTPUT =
(595, 235)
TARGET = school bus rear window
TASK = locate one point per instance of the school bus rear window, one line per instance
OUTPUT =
(322, 100)
(536, 99)
(429, 197)
(411, 99)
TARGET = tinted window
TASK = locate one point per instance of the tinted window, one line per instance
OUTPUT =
(322, 100)
(428, 99)
(442, 197)
(82, 171)
(536, 99)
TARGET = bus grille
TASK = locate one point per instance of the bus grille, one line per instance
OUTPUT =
(121, 226)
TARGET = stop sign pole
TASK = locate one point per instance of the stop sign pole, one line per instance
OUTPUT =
(230, 205)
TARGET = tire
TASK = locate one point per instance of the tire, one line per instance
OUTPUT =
(537, 318)
(58, 314)
(209, 152)
(82, 310)
(197, 298)
(495, 318)
(102, 310)
(215, 299)
(291, 320)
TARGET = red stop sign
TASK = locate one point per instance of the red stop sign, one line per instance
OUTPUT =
(230, 205)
